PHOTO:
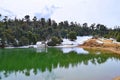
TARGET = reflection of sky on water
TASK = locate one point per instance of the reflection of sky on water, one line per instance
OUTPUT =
(65, 50)
(75, 49)
(41, 50)
(106, 71)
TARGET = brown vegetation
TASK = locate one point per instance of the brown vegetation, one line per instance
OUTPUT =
(102, 44)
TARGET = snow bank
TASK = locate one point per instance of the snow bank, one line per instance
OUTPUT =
(98, 41)
(78, 41)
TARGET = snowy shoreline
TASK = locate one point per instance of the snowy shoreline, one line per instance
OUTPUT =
(65, 43)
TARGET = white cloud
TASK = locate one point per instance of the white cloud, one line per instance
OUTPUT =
(47, 12)
(90, 11)
(6, 12)
(23, 7)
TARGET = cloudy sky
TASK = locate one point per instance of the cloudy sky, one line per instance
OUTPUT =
(106, 12)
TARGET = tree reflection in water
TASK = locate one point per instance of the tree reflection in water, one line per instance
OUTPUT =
(24, 60)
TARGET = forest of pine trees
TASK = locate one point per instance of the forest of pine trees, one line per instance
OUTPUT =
(19, 32)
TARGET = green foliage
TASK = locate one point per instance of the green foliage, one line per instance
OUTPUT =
(23, 41)
(54, 41)
(118, 38)
(41, 30)
(32, 37)
(72, 36)
(15, 44)
(27, 18)
(51, 43)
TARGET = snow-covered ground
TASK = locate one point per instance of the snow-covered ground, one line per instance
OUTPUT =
(78, 41)
(68, 46)
(29, 46)
(65, 43)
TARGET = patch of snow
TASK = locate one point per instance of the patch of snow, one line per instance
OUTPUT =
(100, 42)
(78, 41)
(67, 42)
(113, 39)
(40, 44)
(82, 39)
(29, 46)
(116, 42)
(23, 47)
(9, 47)
(66, 46)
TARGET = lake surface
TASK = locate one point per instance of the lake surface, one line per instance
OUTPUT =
(58, 64)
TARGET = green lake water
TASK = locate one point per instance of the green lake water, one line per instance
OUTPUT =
(58, 64)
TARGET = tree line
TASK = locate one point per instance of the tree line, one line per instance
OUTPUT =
(19, 32)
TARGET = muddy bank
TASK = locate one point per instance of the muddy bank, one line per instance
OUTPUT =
(102, 44)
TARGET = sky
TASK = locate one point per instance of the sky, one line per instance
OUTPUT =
(105, 12)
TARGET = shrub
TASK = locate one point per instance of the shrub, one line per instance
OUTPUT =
(118, 38)
(51, 43)
(23, 41)
(72, 36)
(54, 41)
